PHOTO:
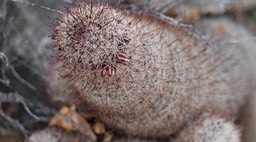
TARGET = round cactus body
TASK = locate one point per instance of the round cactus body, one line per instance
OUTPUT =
(143, 75)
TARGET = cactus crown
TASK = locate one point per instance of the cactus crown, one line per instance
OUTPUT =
(101, 45)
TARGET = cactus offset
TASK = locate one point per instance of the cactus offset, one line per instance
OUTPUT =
(210, 129)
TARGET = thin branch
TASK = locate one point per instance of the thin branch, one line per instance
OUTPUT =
(23, 81)
(15, 124)
(40, 6)
(4, 64)
(14, 97)
(186, 27)
(4, 59)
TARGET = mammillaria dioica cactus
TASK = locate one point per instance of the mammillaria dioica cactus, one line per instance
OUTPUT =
(146, 76)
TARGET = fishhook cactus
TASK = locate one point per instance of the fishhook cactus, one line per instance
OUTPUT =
(144, 75)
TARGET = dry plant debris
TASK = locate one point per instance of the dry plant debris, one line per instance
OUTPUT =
(70, 120)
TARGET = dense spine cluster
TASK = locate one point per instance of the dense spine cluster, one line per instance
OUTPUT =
(211, 129)
(93, 44)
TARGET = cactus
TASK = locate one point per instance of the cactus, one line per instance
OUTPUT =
(55, 135)
(210, 129)
(146, 76)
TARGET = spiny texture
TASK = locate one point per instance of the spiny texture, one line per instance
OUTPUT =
(57, 135)
(211, 129)
(144, 76)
